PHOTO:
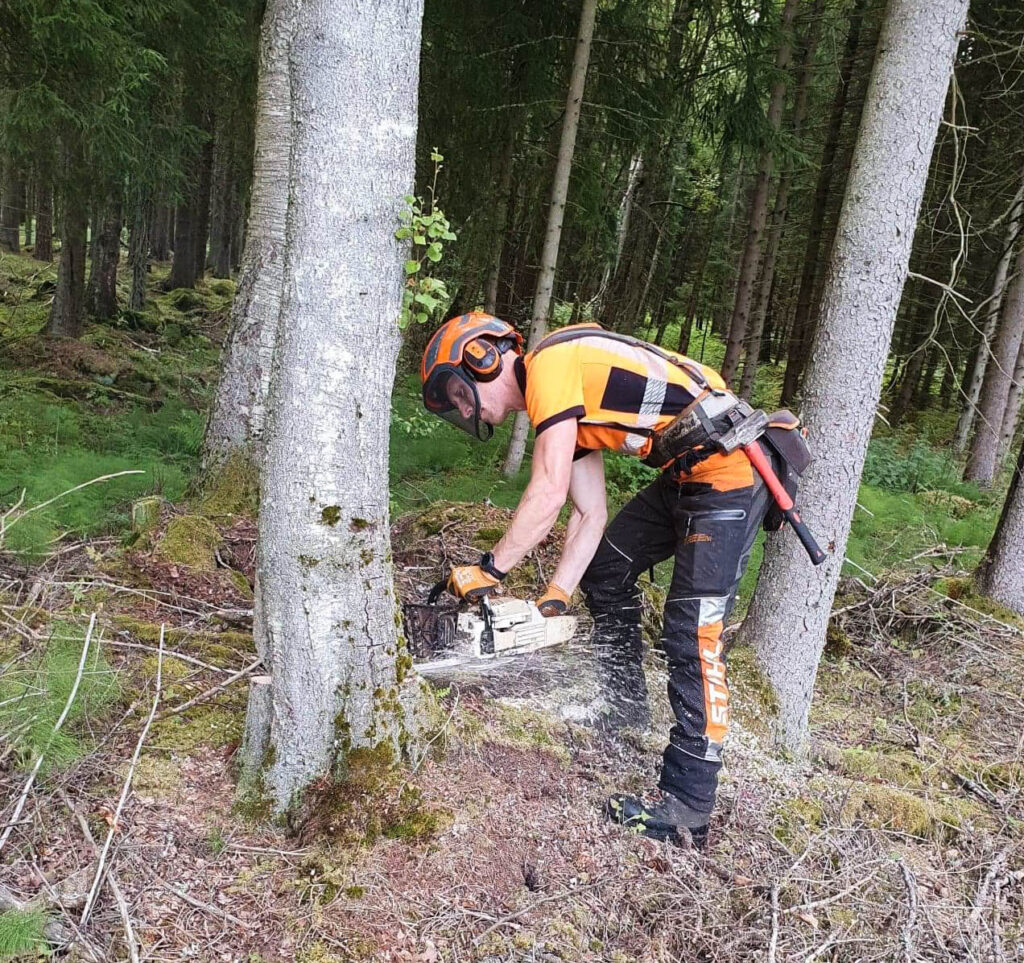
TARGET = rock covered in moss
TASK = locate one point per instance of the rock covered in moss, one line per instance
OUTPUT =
(146, 513)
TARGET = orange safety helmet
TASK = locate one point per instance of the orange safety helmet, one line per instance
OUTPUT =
(463, 351)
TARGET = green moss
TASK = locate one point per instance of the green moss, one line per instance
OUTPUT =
(241, 582)
(355, 892)
(308, 562)
(146, 513)
(232, 488)
(190, 540)
(157, 777)
(837, 643)
(331, 515)
(887, 808)
(487, 537)
(796, 820)
(359, 524)
(203, 725)
(898, 768)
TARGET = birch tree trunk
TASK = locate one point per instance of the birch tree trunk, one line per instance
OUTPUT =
(982, 460)
(790, 609)
(556, 211)
(326, 614)
(965, 422)
(1001, 575)
(752, 249)
(239, 406)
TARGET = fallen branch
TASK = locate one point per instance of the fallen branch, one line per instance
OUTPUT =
(526, 909)
(90, 902)
(9, 828)
(907, 933)
(199, 904)
(115, 889)
(773, 940)
(213, 690)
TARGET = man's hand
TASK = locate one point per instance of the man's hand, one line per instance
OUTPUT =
(554, 601)
(471, 582)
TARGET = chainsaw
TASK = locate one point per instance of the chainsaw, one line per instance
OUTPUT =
(439, 635)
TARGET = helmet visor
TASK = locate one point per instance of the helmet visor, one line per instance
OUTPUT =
(452, 395)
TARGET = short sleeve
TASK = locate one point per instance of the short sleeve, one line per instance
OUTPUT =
(554, 387)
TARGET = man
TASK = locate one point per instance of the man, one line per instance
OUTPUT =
(586, 390)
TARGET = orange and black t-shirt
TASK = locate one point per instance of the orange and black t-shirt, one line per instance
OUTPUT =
(619, 394)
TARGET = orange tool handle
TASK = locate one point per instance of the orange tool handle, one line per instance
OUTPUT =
(764, 468)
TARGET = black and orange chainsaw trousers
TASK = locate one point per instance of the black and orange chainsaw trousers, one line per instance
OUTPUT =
(710, 533)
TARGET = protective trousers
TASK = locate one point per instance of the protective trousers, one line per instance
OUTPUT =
(711, 533)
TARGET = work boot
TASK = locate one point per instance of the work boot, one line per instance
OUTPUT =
(669, 818)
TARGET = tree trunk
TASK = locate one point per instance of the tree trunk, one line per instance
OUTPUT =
(1011, 416)
(966, 420)
(183, 266)
(911, 374)
(866, 275)
(326, 613)
(505, 202)
(220, 201)
(751, 259)
(12, 202)
(220, 238)
(801, 330)
(101, 293)
(202, 210)
(43, 250)
(1002, 573)
(67, 313)
(556, 211)
(30, 189)
(756, 325)
(239, 408)
(138, 246)
(982, 460)
(159, 242)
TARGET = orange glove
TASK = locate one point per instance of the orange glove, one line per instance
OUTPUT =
(554, 601)
(470, 582)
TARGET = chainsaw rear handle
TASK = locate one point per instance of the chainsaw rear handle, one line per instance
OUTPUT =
(437, 591)
(764, 468)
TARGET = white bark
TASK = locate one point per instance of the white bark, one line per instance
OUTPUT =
(556, 212)
(790, 610)
(325, 596)
(966, 420)
(239, 407)
(1002, 576)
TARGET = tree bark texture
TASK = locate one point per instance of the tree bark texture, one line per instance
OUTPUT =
(801, 331)
(983, 457)
(790, 610)
(752, 249)
(755, 331)
(219, 258)
(202, 210)
(239, 406)
(159, 243)
(1011, 416)
(326, 613)
(1002, 574)
(43, 250)
(138, 246)
(183, 266)
(12, 203)
(67, 313)
(556, 212)
(965, 422)
(101, 295)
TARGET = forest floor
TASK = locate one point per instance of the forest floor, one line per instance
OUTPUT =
(902, 837)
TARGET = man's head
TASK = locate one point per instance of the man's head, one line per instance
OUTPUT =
(468, 372)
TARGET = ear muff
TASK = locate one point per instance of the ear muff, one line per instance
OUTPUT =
(482, 359)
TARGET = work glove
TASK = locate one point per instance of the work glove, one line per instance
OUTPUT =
(472, 581)
(554, 601)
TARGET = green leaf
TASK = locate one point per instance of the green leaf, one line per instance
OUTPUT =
(403, 232)
(434, 252)
(409, 199)
(411, 267)
(427, 301)
(436, 157)
(421, 316)
(419, 239)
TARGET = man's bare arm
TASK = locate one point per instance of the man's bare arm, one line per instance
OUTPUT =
(587, 522)
(544, 496)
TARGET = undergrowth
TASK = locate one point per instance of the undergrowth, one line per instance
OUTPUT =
(21, 932)
(33, 697)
